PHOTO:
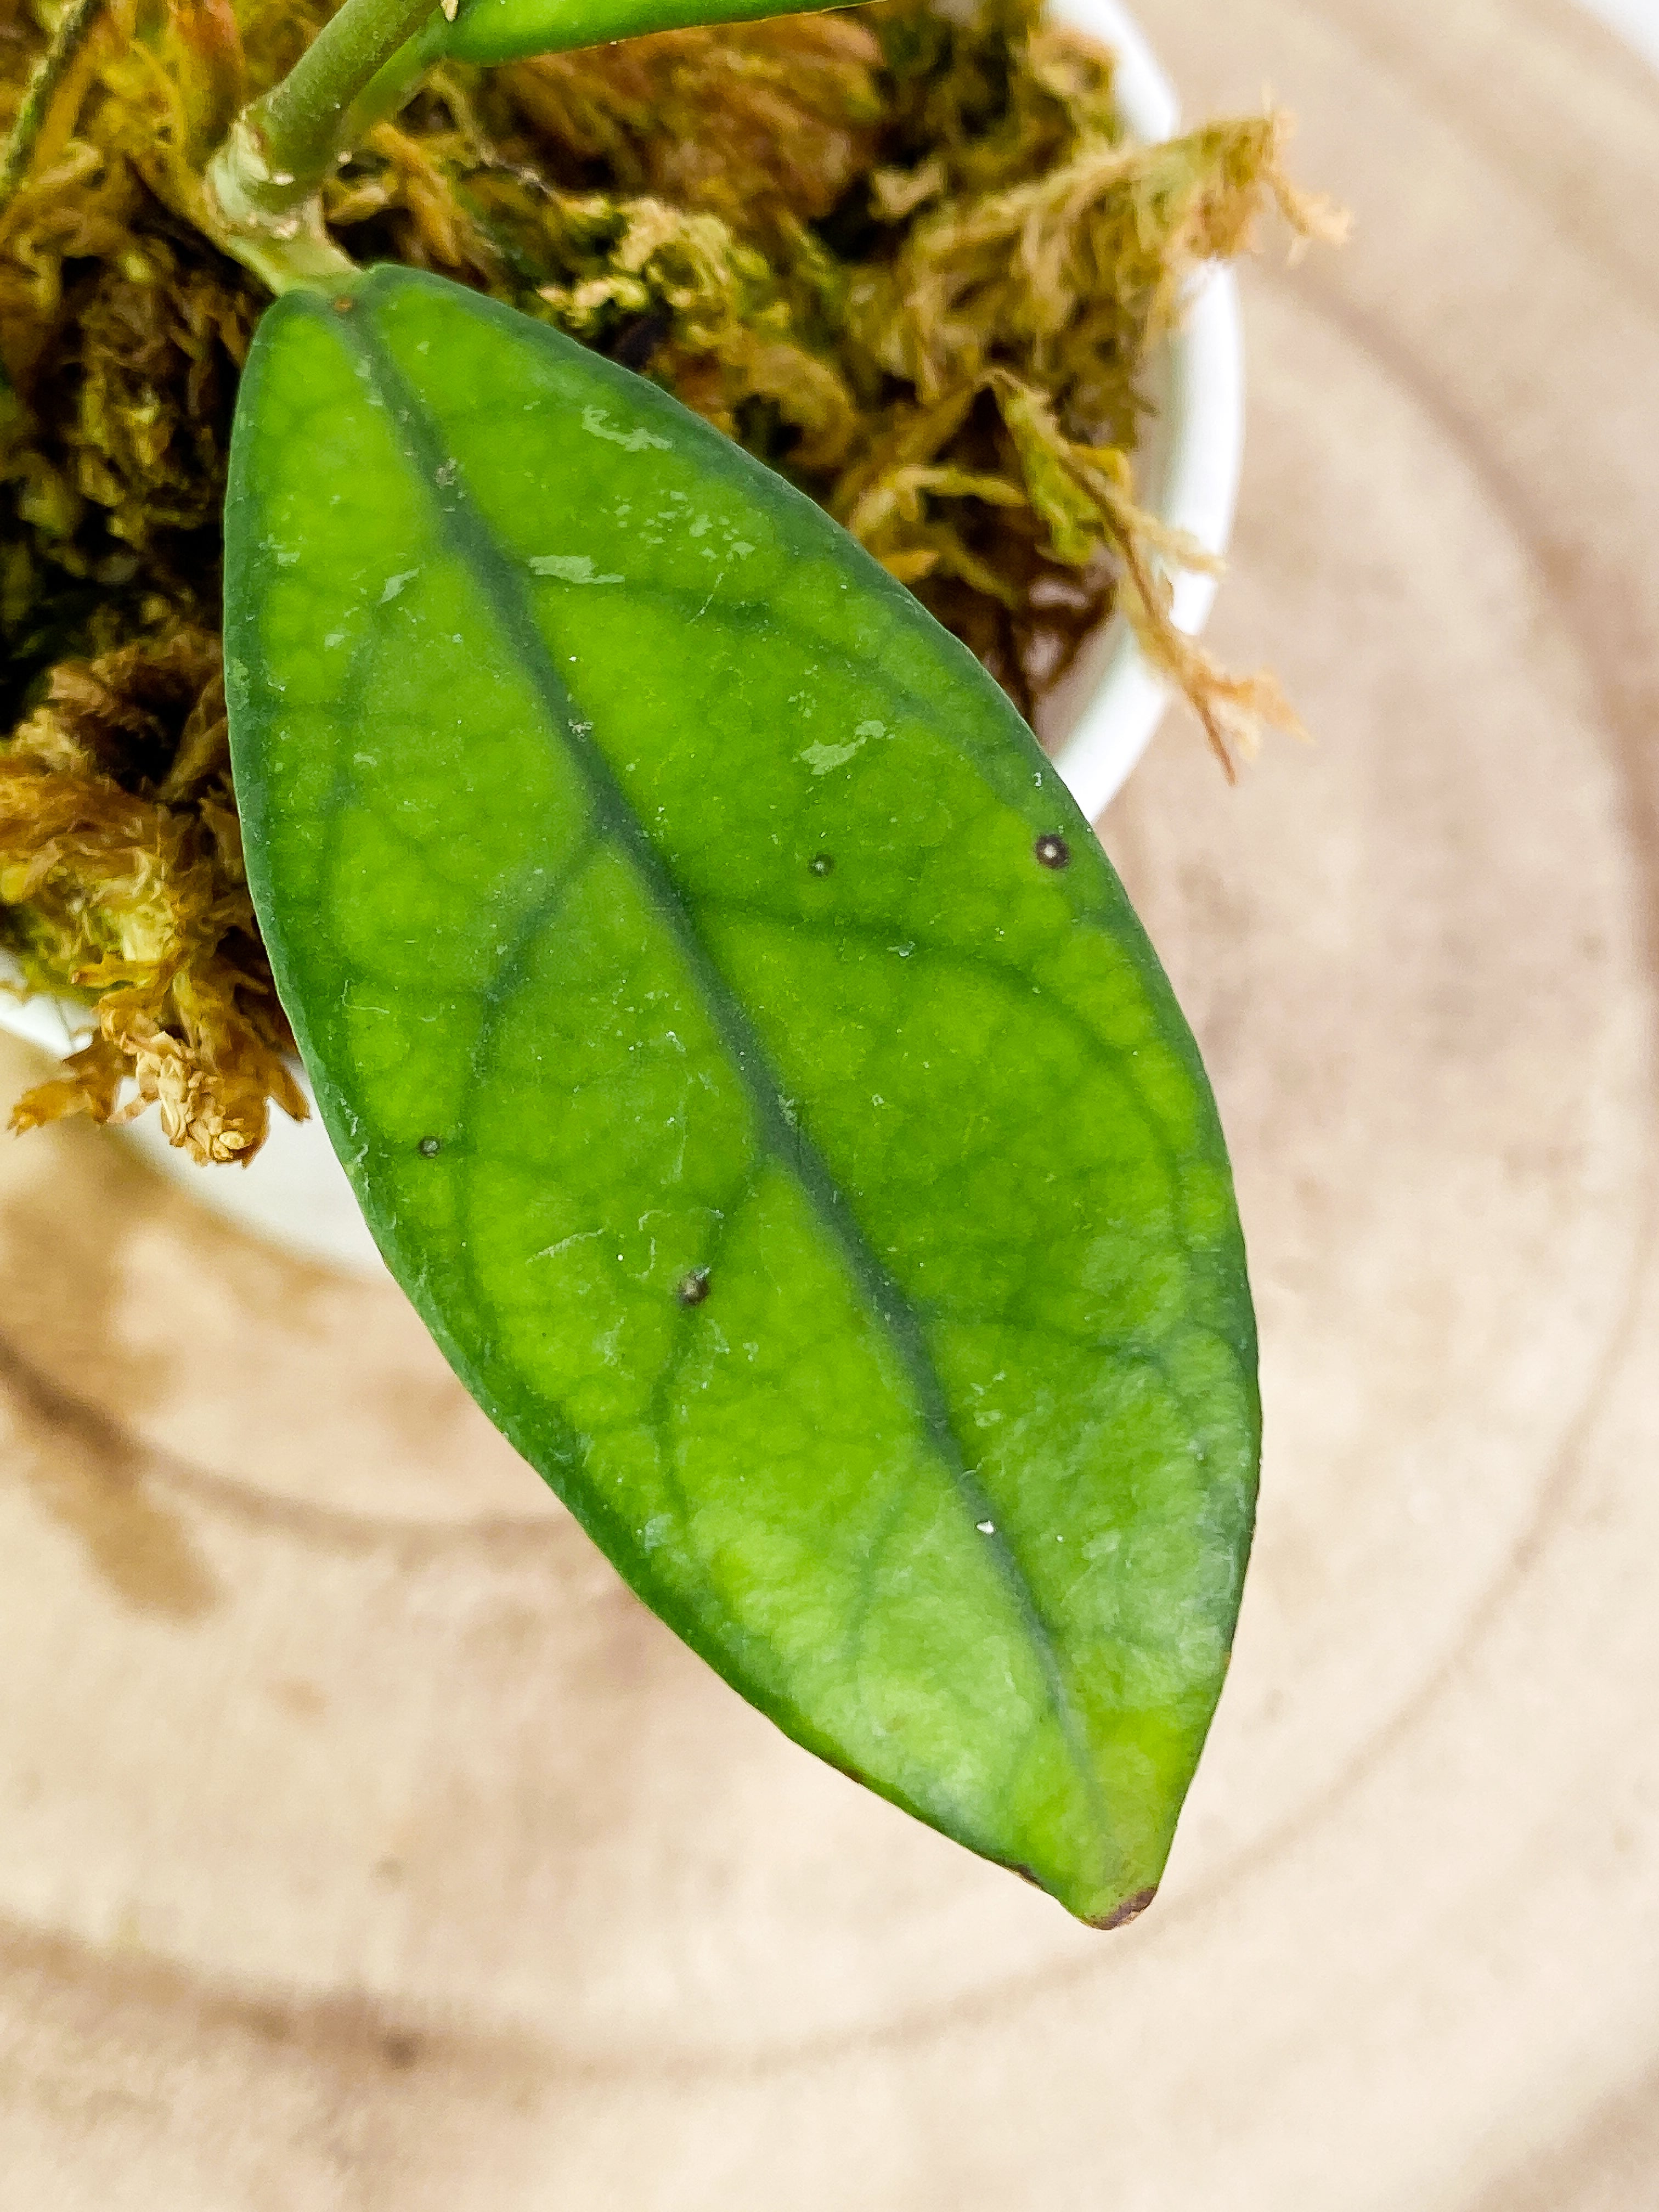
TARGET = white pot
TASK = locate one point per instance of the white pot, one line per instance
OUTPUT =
(1097, 723)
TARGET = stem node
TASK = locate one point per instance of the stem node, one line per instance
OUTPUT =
(262, 185)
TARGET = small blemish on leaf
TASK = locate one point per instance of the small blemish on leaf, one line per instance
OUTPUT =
(822, 758)
(430, 1147)
(1131, 1909)
(821, 864)
(344, 304)
(596, 421)
(692, 1290)
(569, 567)
(1053, 852)
(985, 1528)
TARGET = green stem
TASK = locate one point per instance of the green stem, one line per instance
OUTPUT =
(263, 183)
(389, 89)
(74, 25)
(302, 122)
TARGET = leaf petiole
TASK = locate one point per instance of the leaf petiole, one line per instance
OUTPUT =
(264, 180)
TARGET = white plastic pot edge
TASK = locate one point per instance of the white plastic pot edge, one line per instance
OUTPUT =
(295, 1193)
(1200, 451)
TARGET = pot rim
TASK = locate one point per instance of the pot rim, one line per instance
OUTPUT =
(1110, 710)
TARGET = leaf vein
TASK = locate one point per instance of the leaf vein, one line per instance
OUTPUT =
(505, 589)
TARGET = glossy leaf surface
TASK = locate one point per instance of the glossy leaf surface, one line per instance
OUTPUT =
(509, 30)
(750, 1065)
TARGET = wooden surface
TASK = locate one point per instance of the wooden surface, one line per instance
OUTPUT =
(364, 1849)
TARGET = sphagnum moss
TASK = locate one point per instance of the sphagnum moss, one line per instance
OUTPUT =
(913, 262)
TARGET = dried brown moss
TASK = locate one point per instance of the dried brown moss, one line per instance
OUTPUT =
(911, 261)
(121, 870)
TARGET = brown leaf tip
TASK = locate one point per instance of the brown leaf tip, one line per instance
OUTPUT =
(1131, 1909)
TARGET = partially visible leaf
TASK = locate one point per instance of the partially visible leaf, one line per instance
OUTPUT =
(750, 1065)
(510, 30)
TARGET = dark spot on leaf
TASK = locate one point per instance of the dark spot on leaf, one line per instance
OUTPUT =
(1131, 1909)
(401, 2050)
(692, 1290)
(821, 863)
(430, 1147)
(1053, 852)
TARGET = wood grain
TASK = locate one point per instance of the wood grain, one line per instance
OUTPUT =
(362, 1846)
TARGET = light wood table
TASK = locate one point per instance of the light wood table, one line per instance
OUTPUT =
(364, 1848)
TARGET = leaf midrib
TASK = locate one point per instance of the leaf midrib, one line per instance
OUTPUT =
(460, 523)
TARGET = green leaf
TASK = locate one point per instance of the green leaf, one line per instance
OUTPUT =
(750, 1065)
(509, 30)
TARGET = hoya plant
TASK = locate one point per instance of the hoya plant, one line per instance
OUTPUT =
(744, 1053)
